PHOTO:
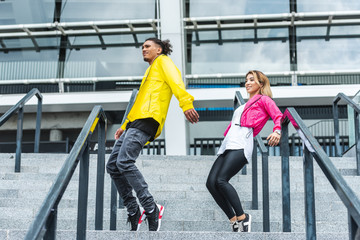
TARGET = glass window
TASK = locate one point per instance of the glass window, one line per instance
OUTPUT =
(239, 53)
(84, 40)
(336, 54)
(345, 30)
(49, 42)
(236, 34)
(313, 31)
(325, 5)
(112, 61)
(25, 11)
(268, 56)
(119, 61)
(28, 64)
(18, 43)
(118, 39)
(85, 10)
(201, 8)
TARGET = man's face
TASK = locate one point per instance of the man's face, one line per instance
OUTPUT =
(150, 51)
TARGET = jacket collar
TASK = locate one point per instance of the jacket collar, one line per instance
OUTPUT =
(156, 58)
(252, 101)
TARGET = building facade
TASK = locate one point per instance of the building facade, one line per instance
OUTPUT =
(81, 53)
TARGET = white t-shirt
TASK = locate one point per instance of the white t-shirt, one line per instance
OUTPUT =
(238, 137)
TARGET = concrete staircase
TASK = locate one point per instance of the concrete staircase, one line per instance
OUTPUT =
(178, 183)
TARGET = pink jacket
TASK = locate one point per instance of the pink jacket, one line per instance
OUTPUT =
(257, 112)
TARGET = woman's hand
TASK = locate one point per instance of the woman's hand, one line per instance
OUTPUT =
(118, 133)
(273, 139)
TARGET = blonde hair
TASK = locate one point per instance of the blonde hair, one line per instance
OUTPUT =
(263, 82)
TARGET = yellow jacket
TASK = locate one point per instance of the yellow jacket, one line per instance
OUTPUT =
(161, 80)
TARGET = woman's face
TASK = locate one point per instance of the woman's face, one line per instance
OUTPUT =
(252, 87)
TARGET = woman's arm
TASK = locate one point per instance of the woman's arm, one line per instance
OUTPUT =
(276, 115)
(274, 112)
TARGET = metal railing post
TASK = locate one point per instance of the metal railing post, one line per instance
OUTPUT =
(83, 193)
(336, 129)
(121, 203)
(353, 227)
(113, 206)
(309, 195)
(357, 140)
(255, 205)
(99, 210)
(266, 198)
(19, 134)
(38, 126)
(356, 108)
(293, 144)
(285, 152)
(51, 224)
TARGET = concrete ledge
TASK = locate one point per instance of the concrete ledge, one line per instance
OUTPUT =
(216, 97)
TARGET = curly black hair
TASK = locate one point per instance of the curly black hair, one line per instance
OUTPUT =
(165, 45)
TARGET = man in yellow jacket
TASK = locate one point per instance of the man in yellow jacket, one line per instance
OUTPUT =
(144, 123)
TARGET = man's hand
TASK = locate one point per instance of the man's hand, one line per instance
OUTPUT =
(192, 115)
(118, 133)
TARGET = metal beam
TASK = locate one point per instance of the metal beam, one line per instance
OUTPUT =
(273, 20)
(79, 28)
(279, 16)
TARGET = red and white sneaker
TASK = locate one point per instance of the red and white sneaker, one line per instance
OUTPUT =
(154, 218)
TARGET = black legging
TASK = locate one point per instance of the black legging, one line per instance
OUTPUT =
(225, 167)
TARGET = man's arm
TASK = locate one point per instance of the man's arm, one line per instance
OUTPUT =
(173, 79)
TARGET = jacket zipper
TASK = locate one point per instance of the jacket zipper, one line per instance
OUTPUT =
(145, 81)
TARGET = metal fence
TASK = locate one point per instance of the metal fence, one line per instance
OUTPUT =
(210, 146)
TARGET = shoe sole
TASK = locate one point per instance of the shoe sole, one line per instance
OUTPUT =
(161, 212)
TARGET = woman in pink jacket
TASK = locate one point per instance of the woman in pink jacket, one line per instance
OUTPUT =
(236, 148)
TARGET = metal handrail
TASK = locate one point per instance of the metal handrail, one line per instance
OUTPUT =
(265, 172)
(113, 204)
(312, 149)
(44, 224)
(356, 107)
(19, 109)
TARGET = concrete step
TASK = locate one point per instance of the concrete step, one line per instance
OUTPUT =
(175, 235)
(178, 183)
(183, 225)
(192, 163)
